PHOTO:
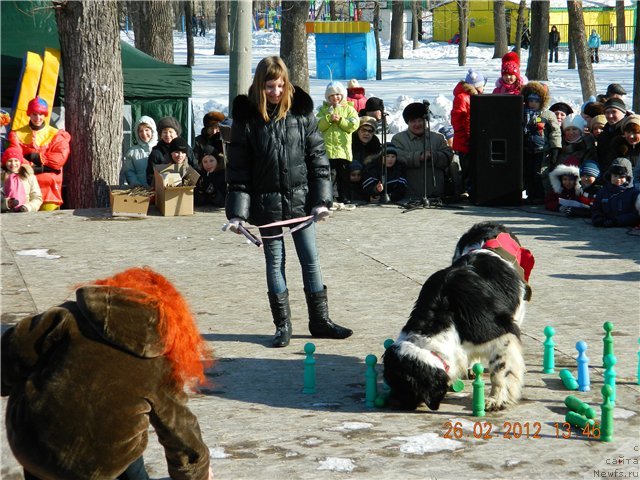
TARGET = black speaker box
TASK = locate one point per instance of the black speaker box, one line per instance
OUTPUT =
(496, 150)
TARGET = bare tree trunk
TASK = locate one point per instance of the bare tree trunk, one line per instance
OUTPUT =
(571, 65)
(537, 63)
(636, 64)
(621, 36)
(332, 10)
(579, 42)
(520, 26)
(222, 28)
(376, 36)
(93, 98)
(293, 42)
(414, 24)
(154, 29)
(397, 24)
(240, 57)
(463, 28)
(188, 12)
(501, 43)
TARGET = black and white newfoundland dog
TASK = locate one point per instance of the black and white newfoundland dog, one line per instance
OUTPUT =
(468, 312)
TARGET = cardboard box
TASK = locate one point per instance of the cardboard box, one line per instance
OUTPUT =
(174, 200)
(125, 204)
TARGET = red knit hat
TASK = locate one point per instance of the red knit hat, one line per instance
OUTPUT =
(511, 64)
(38, 105)
(13, 152)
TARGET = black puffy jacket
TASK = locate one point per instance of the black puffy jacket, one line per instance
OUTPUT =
(276, 170)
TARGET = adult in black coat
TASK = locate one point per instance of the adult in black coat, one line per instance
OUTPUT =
(554, 43)
(277, 169)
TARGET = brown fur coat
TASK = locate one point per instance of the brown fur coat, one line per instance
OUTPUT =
(84, 381)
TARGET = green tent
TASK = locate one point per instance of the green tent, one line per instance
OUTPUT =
(151, 87)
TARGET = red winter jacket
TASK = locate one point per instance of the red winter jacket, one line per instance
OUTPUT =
(461, 116)
(356, 96)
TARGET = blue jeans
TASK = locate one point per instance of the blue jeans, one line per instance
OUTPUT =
(135, 471)
(305, 243)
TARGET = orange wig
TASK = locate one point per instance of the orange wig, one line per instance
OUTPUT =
(184, 347)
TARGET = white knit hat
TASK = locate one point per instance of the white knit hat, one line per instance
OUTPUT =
(335, 88)
(353, 83)
(574, 120)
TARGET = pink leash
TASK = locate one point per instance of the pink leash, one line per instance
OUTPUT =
(301, 221)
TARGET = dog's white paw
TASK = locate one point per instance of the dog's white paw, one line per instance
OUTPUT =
(493, 404)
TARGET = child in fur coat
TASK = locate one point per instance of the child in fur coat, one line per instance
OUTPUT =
(20, 189)
(565, 190)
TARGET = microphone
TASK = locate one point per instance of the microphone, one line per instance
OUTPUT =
(426, 103)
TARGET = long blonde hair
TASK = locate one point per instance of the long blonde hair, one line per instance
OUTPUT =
(271, 68)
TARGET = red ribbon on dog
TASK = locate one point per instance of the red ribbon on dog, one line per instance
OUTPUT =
(523, 256)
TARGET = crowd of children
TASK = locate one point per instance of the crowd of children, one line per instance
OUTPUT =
(568, 156)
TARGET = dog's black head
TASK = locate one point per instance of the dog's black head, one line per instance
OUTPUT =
(413, 381)
(479, 234)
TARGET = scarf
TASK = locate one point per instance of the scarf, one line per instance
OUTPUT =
(14, 188)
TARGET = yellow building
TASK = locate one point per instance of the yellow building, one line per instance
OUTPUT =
(602, 19)
(445, 21)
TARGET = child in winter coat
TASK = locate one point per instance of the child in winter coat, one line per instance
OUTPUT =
(510, 82)
(20, 189)
(616, 203)
(337, 120)
(355, 95)
(577, 147)
(594, 45)
(168, 129)
(589, 173)
(365, 145)
(542, 141)
(355, 193)
(211, 187)
(628, 146)
(565, 189)
(373, 181)
(210, 137)
(473, 84)
(137, 157)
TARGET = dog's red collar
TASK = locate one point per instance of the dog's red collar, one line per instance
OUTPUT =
(505, 246)
(445, 364)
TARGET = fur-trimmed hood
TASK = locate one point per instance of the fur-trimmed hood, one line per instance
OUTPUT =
(555, 177)
(243, 109)
(539, 89)
(464, 87)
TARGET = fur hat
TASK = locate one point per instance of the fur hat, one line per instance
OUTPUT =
(593, 109)
(38, 105)
(353, 83)
(621, 166)
(213, 118)
(370, 121)
(511, 64)
(335, 88)
(630, 120)
(536, 88)
(615, 103)
(13, 152)
(447, 131)
(373, 104)
(391, 149)
(574, 120)
(169, 122)
(413, 110)
(475, 78)
(178, 144)
(615, 89)
(590, 169)
(561, 107)
(555, 177)
(597, 120)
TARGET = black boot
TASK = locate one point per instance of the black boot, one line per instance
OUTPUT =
(279, 303)
(320, 325)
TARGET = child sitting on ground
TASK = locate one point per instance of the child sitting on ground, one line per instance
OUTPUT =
(137, 157)
(616, 203)
(355, 193)
(589, 173)
(168, 129)
(373, 182)
(211, 186)
(20, 189)
(565, 189)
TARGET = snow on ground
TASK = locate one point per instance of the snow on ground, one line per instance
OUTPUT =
(429, 72)
(426, 443)
(336, 464)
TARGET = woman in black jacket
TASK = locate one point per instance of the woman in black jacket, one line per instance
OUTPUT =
(277, 169)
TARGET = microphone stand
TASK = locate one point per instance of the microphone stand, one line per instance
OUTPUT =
(424, 202)
(384, 196)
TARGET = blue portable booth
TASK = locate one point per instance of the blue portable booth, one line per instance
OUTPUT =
(345, 55)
